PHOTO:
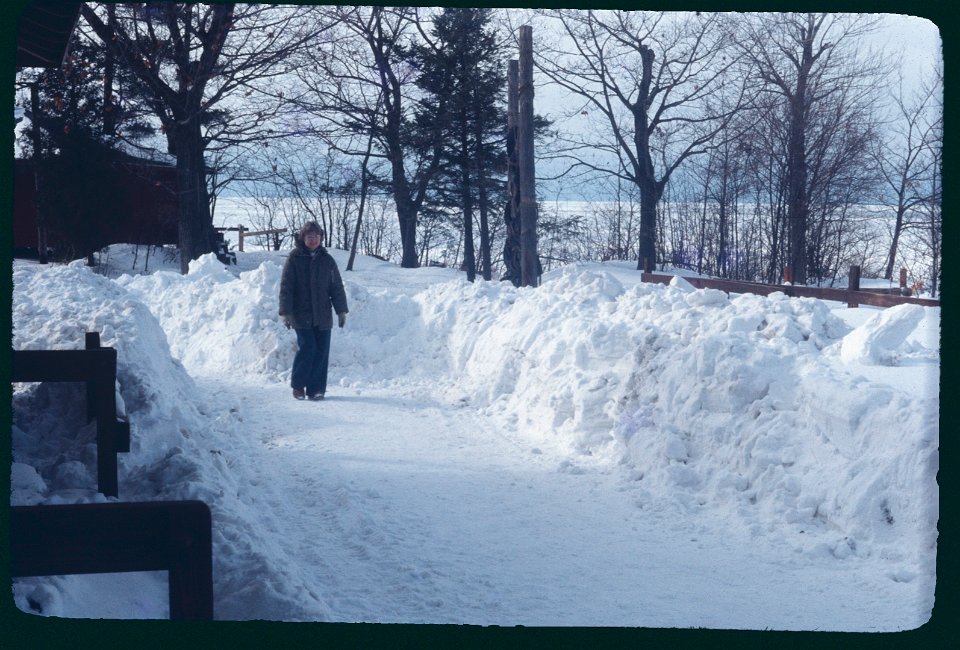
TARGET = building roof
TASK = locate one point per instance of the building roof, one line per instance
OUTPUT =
(43, 31)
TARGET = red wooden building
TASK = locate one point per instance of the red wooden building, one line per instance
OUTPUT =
(147, 207)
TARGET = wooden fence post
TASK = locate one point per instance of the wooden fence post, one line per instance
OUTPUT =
(853, 285)
(91, 342)
(903, 282)
(529, 258)
(102, 406)
(97, 368)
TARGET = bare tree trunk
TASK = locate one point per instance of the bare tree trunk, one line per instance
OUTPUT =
(649, 196)
(722, 216)
(511, 213)
(935, 242)
(645, 172)
(485, 265)
(109, 113)
(894, 245)
(702, 243)
(529, 261)
(364, 185)
(774, 273)
(936, 226)
(406, 209)
(797, 207)
(196, 224)
(39, 203)
(466, 200)
(483, 208)
(406, 214)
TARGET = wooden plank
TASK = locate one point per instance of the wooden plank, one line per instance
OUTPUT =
(97, 367)
(253, 233)
(173, 536)
(250, 233)
(853, 286)
(822, 293)
(62, 365)
(888, 300)
(121, 436)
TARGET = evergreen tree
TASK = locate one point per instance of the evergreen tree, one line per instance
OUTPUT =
(461, 70)
(78, 122)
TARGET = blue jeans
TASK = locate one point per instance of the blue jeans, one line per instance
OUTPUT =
(310, 363)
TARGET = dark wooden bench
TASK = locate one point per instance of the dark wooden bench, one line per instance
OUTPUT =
(97, 366)
(120, 537)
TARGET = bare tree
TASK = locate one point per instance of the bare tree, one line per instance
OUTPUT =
(322, 185)
(841, 178)
(361, 84)
(364, 193)
(192, 61)
(935, 196)
(906, 160)
(922, 232)
(934, 216)
(805, 60)
(719, 182)
(646, 80)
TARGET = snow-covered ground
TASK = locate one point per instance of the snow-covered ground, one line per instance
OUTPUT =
(593, 452)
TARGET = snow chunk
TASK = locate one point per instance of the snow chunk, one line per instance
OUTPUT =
(876, 341)
(26, 484)
(208, 266)
(678, 282)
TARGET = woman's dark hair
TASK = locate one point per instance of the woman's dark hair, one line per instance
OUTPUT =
(308, 227)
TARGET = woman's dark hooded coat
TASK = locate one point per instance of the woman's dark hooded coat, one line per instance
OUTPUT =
(309, 286)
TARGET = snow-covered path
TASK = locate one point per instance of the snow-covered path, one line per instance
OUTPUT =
(396, 508)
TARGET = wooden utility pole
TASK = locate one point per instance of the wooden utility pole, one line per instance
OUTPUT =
(529, 260)
(511, 214)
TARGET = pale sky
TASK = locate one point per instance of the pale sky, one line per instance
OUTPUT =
(917, 38)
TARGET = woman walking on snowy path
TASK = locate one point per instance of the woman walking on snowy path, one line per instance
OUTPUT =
(310, 284)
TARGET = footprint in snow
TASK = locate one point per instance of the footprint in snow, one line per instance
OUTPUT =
(568, 467)
(902, 575)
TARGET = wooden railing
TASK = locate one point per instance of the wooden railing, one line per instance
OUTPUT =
(110, 537)
(118, 537)
(97, 366)
(852, 295)
(243, 232)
